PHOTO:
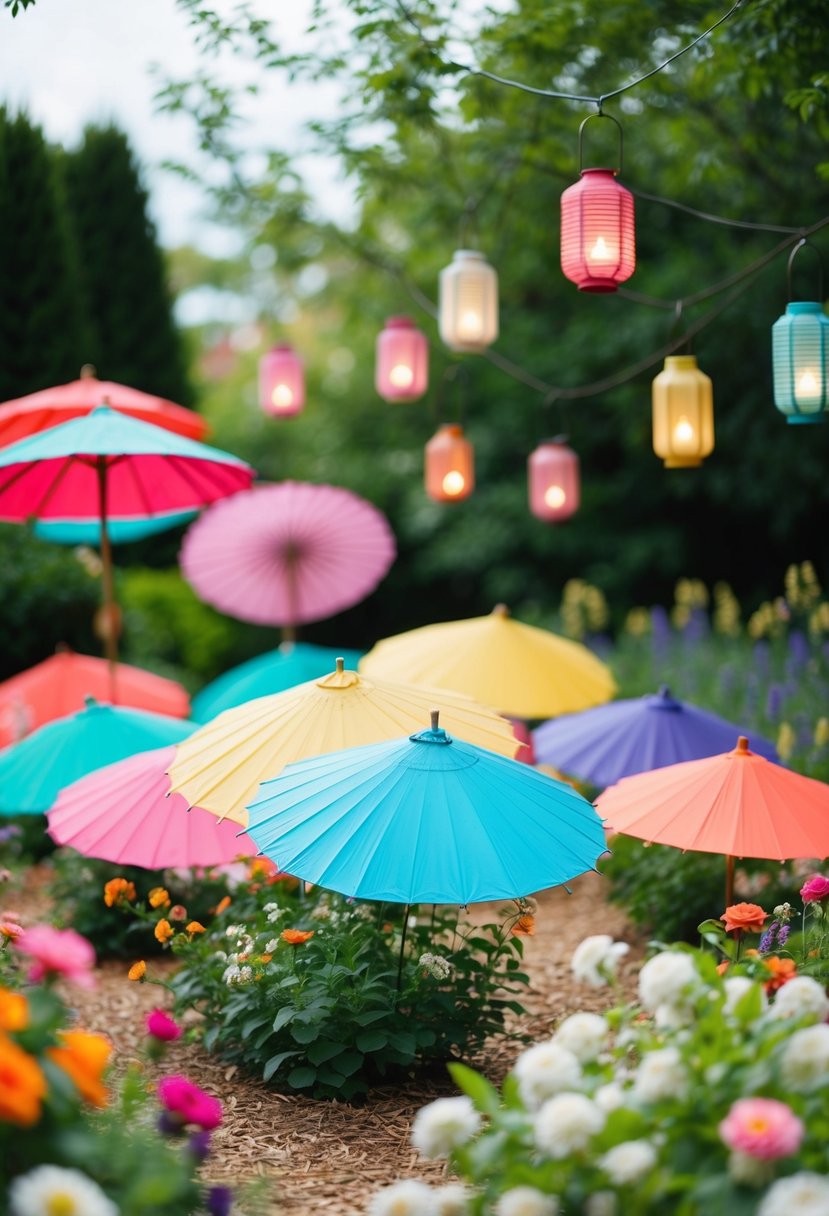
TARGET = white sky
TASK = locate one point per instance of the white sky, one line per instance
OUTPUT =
(73, 62)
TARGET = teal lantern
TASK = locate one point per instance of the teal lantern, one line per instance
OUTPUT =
(800, 357)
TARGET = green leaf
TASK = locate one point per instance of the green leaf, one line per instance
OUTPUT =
(324, 1050)
(484, 1096)
(276, 1062)
(285, 1015)
(371, 1040)
(305, 1032)
(302, 1078)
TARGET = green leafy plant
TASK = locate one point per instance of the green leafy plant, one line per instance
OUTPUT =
(311, 992)
(709, 1097)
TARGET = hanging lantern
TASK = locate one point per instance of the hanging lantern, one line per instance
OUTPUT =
(683, 413)
(401, 370)
(553, 480)
(281, 382)
(598, 242)
(800, 355)
(450, 465)
(468, 307)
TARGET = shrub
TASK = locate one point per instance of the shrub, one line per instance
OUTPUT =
(710, 1097)
(305, 990)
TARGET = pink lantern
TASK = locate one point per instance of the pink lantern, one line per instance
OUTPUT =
(401, 371)
(598, 241)
(450, 465)
(281, 382)
(553, 470)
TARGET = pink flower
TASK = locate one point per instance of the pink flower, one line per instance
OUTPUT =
(814, 889)
(58, 952)
(161, 1026)
(762, 1128)
(189, 1104)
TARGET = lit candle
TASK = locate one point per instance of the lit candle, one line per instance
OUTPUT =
(470, 324)
(401, 376)
(282, 396)
(555, 497)
(601, 251)
(454, 483)
(684, 433)
(807, 384)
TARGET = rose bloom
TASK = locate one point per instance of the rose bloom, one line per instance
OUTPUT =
(566, 1124)
(58, 952)
(161, 1026)
(406, 1198)
(544, 1070)
(799, 998)
(763, 1128)
(444, 1125)
(296, 937)
(526, 1201)
(749, 918)
(84, 1057)
(803, 1194)
(188, 1103)
(596, 958)
(10, 928)
(814, 889)
(178, 912)
(804, 1065)
(584, 1034)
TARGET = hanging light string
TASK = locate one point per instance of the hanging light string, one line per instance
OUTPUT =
(597, 101)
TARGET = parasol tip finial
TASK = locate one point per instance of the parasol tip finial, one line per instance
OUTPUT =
(742, 744)
(500, 610)
(664, 691)
(89, 372)
(340, 662)
(434, 714)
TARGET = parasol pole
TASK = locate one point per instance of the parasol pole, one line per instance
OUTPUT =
(110, 639)
(289, 630)
(402, 946)
(729, 881)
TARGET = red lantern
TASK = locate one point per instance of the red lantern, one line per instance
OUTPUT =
(401, 371)
(598, 242)
(554, 488)
(450, 465)
(281, 382)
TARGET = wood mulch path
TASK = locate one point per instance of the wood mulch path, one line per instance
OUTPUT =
(329, 1157)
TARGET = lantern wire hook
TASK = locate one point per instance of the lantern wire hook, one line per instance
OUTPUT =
(804, 241)
(683, 342)
(585, 121)
(553, 398)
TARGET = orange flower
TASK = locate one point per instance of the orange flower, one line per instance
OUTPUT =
(266, 958)
(194, 927)
(745, 917)
(524, 926)
(14, 1010)
(22, 1085)
(723, 967)
(9, 928)
(118, 891)
(137, 971)
(83, 1057)
(222, 905)
(782, 970)
(296, 937)
(163, 931)
(158, 898)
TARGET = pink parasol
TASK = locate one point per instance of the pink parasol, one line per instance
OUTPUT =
(125, 814)
(287, 554)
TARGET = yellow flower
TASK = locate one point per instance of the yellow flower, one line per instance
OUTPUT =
(786, 740)
(195, 927)
(822, 732)
(158, 898)
(638, 622)
(14, 1010)
(118, 891)
(137, 971)
(163, 931)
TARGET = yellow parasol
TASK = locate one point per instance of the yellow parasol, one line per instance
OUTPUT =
(225, 761)
(526, 672)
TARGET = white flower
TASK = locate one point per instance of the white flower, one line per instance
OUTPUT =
(438, 967)
(804, 1064)
(584, 1034)
(799, 997)
(596, 958)
(245, 975)
(444, 1125)
(270, 908)
(273, 917)
(452, 1199)
(736, 986)
(566, 1124)
(669, 978)
(526, 1201)
(609, 1097)
(234, 930)
(803, 1194)
(407, 1198)
(231, 974)
(49, 1188)
(672, 1017)
(660, 1075)
(270, 946)
(600, 1203)
(545, 1070)
(629, 1162)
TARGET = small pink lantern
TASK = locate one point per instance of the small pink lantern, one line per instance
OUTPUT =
(554, 484)
(401, 372)
(598, 241)
(281, 382)
(450, 465)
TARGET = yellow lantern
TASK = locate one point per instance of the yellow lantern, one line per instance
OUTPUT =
(683, 413)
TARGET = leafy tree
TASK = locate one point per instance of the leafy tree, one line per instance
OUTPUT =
(133, 338)
(42, 331)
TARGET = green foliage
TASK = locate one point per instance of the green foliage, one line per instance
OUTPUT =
(132, 337)
(47, 597)
(641, 1127)
(43, 331)
(79, 900)
(324, 1016)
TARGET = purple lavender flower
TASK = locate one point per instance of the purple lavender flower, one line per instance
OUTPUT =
(767, 939)
(219, 1200)
(799, 649)
(199, 1145)
(762, 658)
(697, 627)
(774, 702)
(783, 935)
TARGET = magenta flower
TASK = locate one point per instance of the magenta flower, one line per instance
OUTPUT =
(189, 1104)
(763, 1128)
(162, 1027)
(814, 889)
(58, 952)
